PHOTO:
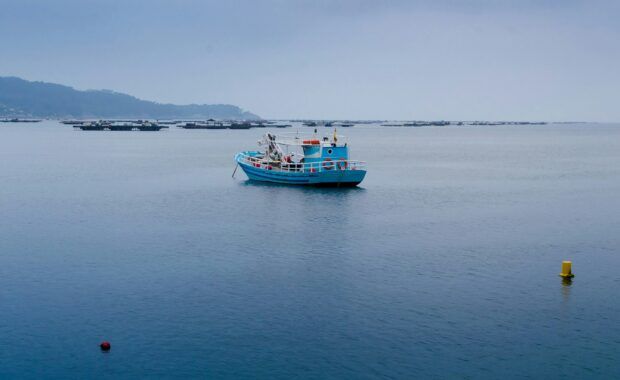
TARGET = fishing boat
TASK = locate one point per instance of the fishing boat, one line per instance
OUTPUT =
(302, 160)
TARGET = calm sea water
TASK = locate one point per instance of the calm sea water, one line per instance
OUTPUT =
(443, 264)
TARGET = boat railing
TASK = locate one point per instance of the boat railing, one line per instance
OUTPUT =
(327, 165)
(297, 138)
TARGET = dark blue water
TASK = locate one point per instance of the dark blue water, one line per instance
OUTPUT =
(443, 264)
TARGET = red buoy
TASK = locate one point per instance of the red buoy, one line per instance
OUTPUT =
(105, 346)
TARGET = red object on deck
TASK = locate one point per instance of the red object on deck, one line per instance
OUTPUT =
(105, 346)
(312, 142)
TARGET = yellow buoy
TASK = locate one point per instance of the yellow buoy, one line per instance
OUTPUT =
(566, 269)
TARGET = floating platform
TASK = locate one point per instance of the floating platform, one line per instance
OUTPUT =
(75, 122)
(15, 120)
(241, 126)
(104, 127)
(193, 125)
(212, 124)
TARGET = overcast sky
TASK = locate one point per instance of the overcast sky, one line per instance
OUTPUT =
(432, 59)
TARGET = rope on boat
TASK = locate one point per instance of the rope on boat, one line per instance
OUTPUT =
(236, 167)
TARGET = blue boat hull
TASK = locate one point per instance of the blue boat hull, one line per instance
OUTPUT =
(333, 178)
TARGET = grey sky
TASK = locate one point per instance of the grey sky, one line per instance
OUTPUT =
(524, 60)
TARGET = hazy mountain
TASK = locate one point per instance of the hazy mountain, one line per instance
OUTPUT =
(20, 97)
